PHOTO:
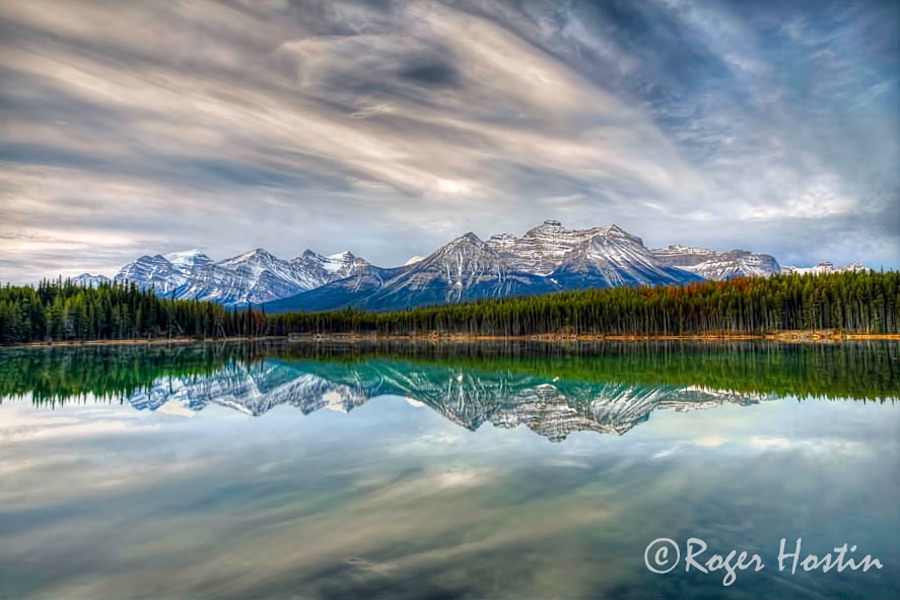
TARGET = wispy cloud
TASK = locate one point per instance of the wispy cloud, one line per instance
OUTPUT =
(388, 127)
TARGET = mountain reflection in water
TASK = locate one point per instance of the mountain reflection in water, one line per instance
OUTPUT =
(551, 408)
(551, 389)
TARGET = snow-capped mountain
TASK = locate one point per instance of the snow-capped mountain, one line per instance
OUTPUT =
(719, 266)
(542, 249)
(188, 261)
(364, 281)
(465, 269)
(823, 267)
(546, 258)
(612, 257)
(323, 269)
(88, 280)
(153, 271)
(253, 277)
(469, 398)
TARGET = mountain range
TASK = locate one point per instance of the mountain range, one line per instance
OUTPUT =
(547, 258)
(552, 408)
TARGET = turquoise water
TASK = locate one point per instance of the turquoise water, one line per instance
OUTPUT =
(411, 471)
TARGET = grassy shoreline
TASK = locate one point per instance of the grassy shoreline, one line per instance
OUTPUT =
(781, 336)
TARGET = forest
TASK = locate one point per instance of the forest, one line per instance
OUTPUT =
(63, 311)
(850, 302)
(864, 301)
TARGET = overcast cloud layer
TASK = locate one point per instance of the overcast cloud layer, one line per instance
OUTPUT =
(388, 128)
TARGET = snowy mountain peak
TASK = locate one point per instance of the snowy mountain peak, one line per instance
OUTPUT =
(464, 269)
(613, 229)
(711, 264)
(152, 271)
(253, 277)
(617, 232)
(503, 242)
(88, 280)
(258, 255)
(823, 267)
(679, 249)
(185, 256)
(548, 227)
(609, 257)
(359, 264)
(327, 268)
(541, 249)
(467, 252)
(340, 263)
(467, 239)
(187, 261)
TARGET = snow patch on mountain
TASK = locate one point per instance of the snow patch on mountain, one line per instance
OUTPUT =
(718, 266)
(612, 257)
(541, 250)
(187, 261)
(823, 267)
(88, 280)
(253, 277)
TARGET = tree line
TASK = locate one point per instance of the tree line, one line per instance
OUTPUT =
(64, 311)
(864, 301)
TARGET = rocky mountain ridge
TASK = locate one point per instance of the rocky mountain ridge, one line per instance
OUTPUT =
(546, 258)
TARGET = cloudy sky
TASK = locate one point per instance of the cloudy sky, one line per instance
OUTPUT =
(389, 127)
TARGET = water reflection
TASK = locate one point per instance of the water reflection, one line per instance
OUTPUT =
(552, 390)
(553, 408)
(399, 500)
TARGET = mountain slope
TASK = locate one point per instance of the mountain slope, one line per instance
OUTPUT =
(823, 267)
(541, 250)
(719, 266)
(153, 271)
(253, 277)
(548, 258)
(613, 257)
(364, 280)
(88, 280)
(465, 269)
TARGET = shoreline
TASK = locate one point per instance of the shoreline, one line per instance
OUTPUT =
(783, 336)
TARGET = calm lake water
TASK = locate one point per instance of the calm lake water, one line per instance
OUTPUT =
(445, 471)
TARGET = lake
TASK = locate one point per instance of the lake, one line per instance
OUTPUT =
(416, 470)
